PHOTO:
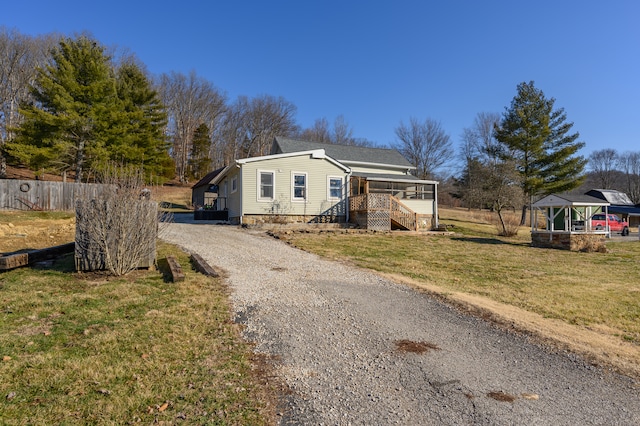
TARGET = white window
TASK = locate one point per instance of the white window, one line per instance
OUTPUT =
(234, 184)
(299, 186)
(266, 185)
(334, 187)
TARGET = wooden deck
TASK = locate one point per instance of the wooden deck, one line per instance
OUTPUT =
(381, 212)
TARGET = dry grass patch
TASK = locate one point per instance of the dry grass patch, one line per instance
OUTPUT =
(174, 198)
(35, 230)
(92, 350)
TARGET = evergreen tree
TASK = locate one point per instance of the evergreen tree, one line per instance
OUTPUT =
(64, 128)
(537, 138)
(199, 161)
(85, 115)
(138, 137)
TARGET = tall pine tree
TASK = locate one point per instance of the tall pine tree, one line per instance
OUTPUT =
(64, 127)
(537, 138)
(139, 138)
(199, 160)
(86, 115)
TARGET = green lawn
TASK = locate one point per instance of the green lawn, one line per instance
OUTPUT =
(84, 349)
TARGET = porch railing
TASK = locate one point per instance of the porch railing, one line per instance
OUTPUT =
(384, 207)
(403, 215)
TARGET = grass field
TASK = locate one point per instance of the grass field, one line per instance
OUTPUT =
(81, 348)
(596, 292)
(84, 349)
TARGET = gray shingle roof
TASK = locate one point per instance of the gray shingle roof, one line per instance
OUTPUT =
(208, 178)
(343, 153)
(573, 199)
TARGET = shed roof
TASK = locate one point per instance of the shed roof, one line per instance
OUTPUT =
(206, 180)
(558, 200)
(612, 196)
(347, 154)
(625, 210)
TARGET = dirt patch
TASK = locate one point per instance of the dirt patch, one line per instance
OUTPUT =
(501, 396)
(409, 346)
(19, 234)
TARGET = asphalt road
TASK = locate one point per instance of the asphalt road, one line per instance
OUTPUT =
(355, 348)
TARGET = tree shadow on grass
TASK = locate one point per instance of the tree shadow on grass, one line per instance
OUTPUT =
(64, 263)
(165, 270)
(167, 205)
(490, 241)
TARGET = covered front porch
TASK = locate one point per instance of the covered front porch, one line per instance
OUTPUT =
(387, 202)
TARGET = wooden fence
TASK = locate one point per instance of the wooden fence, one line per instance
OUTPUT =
(45, 195)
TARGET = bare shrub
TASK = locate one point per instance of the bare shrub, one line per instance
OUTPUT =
(507, 224)
(117, 232)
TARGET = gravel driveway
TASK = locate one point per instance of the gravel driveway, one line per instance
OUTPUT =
(358, 349)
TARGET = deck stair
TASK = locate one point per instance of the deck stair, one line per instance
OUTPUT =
(402, 216)
(382, 212)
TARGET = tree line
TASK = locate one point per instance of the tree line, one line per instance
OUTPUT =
(610, 169)
(71, 105)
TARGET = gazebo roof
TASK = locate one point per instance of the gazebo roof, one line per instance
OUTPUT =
(573, 200)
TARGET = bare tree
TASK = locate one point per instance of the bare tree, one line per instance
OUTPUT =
(319, 132)
(20, 58)
(629, 162)
(259, 121)
(480, 152)
(479, 141)
(504, 192)
(342, 133)
(190, 101)
(425, 145)
(227, 140)
(603, 165)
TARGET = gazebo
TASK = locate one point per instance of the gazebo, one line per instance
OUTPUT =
(564, 221)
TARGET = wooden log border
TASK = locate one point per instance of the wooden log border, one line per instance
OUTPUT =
(177, 274)
(202, 266)
(17, 260)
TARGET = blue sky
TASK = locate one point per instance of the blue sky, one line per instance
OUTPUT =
(378, 63)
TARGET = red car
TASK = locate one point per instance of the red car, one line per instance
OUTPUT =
(599, 222)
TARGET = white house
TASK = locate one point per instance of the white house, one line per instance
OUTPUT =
(305, 182)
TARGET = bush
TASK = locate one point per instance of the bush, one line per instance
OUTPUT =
(118, 231)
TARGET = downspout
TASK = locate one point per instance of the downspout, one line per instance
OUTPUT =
(241, 190)
(435, 205)
(347, 195)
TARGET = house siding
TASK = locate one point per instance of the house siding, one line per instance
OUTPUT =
(317, 173)
(380, 170)
(232, 200)
(421, 206)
